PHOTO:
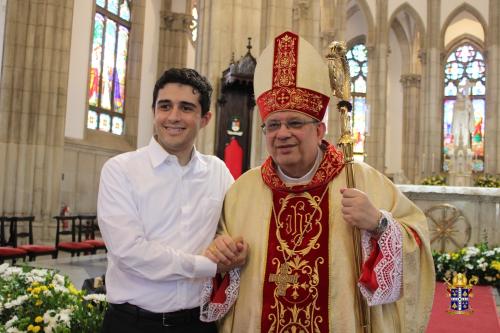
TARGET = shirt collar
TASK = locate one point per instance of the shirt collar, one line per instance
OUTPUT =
(158, 155)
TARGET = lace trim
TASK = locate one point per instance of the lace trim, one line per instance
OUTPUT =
(214, 311)
(389, 271)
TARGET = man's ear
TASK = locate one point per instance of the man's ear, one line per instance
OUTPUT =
(321, 130)
(205, 119)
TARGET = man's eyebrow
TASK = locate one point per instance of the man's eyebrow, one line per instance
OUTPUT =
(163, 101)
(186, 103)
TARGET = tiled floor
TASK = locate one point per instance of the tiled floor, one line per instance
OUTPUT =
(76, 268)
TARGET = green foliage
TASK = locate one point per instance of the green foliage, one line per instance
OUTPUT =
(487, 181)
(41, 300)
(479, 260)
(434, 180)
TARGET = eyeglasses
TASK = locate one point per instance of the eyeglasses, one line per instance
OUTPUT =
(274, 125)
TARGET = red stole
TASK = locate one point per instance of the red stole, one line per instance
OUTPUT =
(296, 282)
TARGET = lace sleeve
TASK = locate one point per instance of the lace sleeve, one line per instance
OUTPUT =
(218, 298)
(389, 270)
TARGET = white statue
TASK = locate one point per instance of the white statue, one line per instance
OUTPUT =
(463, 117)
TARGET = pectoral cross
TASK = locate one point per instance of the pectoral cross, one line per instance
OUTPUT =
(282, 279)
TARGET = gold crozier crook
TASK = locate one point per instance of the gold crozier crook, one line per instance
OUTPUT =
(338, 70)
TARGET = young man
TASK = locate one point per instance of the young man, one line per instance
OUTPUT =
(297, 215)
(158, 208)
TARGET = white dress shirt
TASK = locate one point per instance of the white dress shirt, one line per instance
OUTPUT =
(156, 218)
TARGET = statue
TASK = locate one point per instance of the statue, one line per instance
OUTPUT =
(463, 117)
(461, 163)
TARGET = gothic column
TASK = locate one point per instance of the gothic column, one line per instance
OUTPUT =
(377, 88)
(223, 30)
(306, 17)
(333, 23)
(174, 38)
(492, 121)
(33, 96)
(411, 98)
(429, 150)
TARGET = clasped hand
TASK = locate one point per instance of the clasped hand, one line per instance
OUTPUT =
(227, 252)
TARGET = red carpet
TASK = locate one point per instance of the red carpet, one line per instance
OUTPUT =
(484, 319)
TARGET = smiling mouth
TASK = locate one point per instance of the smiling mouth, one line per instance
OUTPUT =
(174, 130)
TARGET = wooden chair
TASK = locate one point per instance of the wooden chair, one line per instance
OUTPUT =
(8, 251)
(34, 250)
(88, 227)
(73, 246)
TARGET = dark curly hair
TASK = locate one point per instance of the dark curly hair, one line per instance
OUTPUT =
(189, 77)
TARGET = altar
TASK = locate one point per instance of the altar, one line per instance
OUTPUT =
(458, 216)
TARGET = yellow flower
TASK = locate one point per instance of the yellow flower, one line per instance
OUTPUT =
(38, 319)
(496, 265)
(30, 327)
(44, 288)
(38, 303)
(89, 306)
(36, 328)
(36, 283)
(51, 286)
(454, 256)
(29, 289)
(72, 289)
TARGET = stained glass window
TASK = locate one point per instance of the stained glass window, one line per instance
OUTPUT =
(194, 23)
(358, 66)
(108, 64)
(464, 78)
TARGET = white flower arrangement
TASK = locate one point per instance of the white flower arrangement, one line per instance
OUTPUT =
(479, 260)
(41, 300)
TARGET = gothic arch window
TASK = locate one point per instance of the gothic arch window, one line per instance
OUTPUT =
(194, 23)
(357, 56)
(108, 64)
(465, 67)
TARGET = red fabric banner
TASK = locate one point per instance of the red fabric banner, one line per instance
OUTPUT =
(233, 156)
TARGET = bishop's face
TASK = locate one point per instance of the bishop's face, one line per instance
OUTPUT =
(294, 148)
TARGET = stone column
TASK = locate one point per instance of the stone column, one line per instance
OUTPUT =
(174, 38)
(333, 22)
(377, 88)
(223, 29)
(32, 106)
(411, 98)
(430, 119)
(307, 21)
(492, 121)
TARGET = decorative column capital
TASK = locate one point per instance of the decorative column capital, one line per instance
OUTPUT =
(422, 54)
(303, 8)
(410, 80)
(176, 21)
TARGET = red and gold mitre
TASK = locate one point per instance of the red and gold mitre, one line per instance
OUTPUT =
(291, 75)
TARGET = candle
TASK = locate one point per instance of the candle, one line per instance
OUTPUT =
(432, 161)
(367, 119)
(422, 164)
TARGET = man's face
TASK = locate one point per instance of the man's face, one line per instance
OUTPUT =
(177, 118)
(294, 149)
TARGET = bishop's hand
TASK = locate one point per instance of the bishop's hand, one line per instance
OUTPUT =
(358, 210)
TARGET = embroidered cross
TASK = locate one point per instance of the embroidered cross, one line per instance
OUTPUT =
(282, 279)
(282, 98)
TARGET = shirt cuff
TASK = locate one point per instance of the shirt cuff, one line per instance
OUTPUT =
(204, 267)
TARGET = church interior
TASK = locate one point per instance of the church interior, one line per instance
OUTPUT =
(77, 79)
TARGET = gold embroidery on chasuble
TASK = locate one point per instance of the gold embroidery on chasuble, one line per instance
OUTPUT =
(295, 289)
